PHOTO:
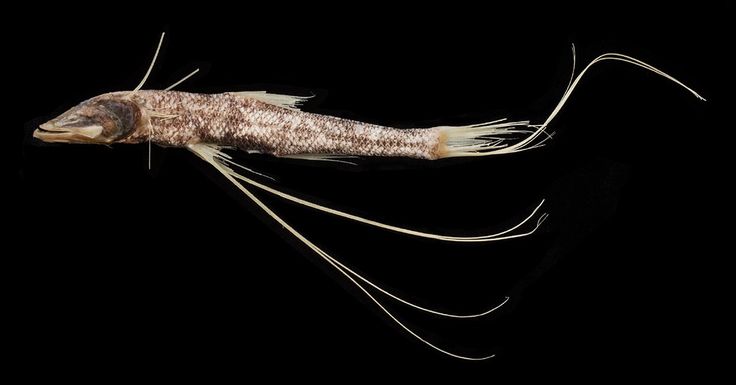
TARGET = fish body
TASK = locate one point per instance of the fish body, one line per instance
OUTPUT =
(251, 121)
(256, 122)
(250, 124)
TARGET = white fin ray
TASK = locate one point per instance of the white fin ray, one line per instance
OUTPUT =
(285, 101)
(150, 67)
(212, 155)
(227, 158)
(334, 158)
(499, 236)
(171, 87)
(483, 140)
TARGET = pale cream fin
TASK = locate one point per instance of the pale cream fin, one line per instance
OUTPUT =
(335, 158)
(212, 155)
(502, 235)
(150, 67)
(480, 139)
(221, 157)
(285, 101)
(491, 138)
(171, 87)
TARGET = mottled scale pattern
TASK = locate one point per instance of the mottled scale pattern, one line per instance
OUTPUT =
(250, 124)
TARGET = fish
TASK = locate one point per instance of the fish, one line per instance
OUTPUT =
(212, 125)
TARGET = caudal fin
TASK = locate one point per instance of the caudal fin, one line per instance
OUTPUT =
(500, 137)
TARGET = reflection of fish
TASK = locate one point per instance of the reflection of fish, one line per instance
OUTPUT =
(273, 124)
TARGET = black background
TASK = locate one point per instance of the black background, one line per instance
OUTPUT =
(172, 270)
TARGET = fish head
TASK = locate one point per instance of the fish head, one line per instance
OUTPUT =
(104, 119)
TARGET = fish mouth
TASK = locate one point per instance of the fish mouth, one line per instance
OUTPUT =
(49, 132)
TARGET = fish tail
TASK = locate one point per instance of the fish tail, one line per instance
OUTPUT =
(501, 137)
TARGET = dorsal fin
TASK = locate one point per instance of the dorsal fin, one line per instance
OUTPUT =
(285, 101)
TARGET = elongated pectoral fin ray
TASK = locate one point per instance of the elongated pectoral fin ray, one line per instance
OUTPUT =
(140, 85)
(210, 154)
(150, 67)
(171, 87)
